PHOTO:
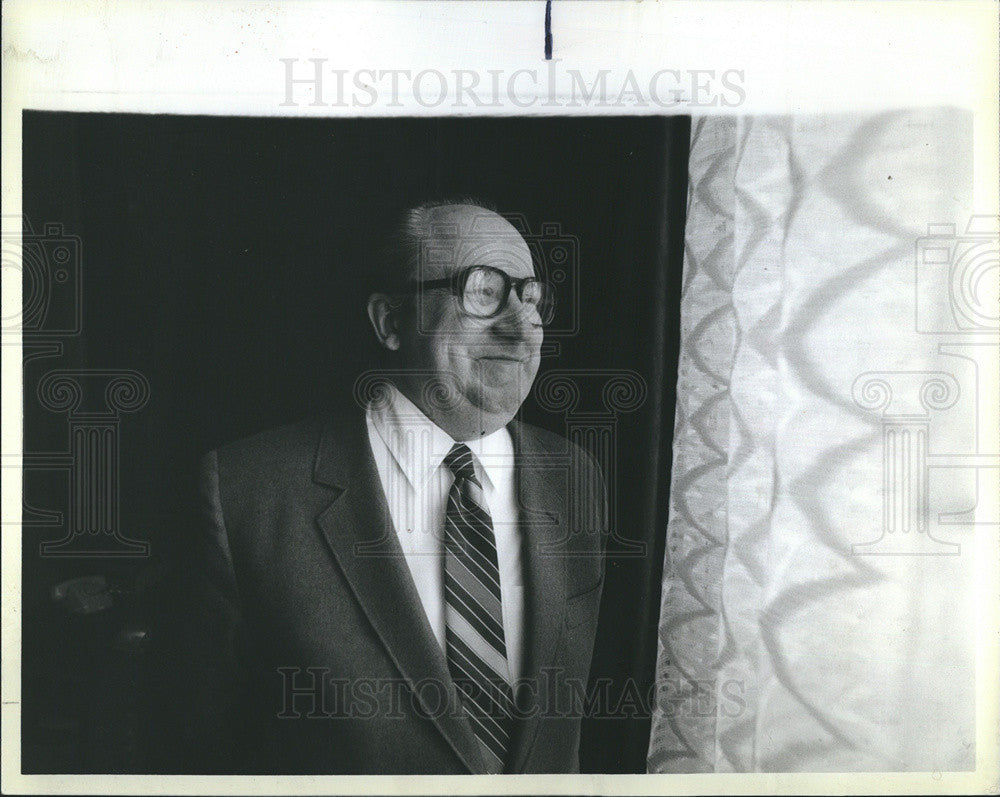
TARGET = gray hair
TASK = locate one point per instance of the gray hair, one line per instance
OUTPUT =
(397, 255)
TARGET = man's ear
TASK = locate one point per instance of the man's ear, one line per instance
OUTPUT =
(383, 318)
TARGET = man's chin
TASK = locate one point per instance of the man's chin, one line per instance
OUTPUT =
(497, 406)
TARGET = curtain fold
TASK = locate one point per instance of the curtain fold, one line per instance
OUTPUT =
(817, 603)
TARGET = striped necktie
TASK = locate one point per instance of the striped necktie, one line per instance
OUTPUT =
(477, 655)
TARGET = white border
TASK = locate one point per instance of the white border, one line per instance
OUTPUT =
(182, 56)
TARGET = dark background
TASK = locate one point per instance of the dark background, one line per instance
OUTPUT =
(220, 257)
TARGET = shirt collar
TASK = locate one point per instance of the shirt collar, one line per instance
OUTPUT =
(419, 445)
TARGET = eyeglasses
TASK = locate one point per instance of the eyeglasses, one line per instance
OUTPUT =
(484, 292)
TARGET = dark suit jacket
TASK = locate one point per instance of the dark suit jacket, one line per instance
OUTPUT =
(307, 649)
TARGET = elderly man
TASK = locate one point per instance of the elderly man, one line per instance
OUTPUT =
(413, 589)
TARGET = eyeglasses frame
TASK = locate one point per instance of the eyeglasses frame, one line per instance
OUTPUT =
(457, 282)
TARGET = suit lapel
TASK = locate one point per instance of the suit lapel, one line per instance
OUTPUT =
(542, 486)
(359, 531)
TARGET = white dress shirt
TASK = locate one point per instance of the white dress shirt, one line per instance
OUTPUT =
(409, 451)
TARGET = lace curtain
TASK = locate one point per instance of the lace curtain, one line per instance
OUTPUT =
(837, 317)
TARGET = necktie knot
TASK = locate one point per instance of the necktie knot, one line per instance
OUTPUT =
(459, 462)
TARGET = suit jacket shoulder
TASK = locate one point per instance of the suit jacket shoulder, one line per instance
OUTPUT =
(283, 452)
(280, 467)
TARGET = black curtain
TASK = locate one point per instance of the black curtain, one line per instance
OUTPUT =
(219, 258)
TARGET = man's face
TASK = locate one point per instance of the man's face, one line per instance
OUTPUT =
(488, 364)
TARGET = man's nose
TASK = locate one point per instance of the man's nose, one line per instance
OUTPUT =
(518, 319)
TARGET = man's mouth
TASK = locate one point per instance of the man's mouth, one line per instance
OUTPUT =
(502, 358)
